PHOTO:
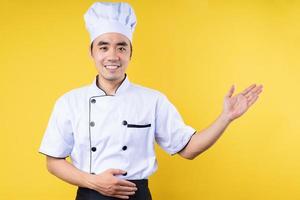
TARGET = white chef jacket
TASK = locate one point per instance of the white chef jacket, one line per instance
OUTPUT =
(100, 131)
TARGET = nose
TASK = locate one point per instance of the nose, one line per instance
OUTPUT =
(112, 55)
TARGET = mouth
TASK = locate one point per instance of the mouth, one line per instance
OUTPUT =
(112, 67)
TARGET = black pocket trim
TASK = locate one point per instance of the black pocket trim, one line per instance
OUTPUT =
(138, 126)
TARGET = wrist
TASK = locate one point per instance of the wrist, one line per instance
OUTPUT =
(87, 180)
(225, 118)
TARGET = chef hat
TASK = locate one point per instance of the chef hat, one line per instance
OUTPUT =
(103, 17)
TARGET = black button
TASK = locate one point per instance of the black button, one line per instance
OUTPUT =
(124, 122)
(125, 174)
(92, 124)
(93, 100)
(93, 149)
(124, 148)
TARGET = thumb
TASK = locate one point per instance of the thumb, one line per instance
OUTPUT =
(116, 171)
(231, 91)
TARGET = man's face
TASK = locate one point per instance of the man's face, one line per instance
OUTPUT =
(111, 54)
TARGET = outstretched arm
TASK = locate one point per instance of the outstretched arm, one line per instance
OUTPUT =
(234, 107)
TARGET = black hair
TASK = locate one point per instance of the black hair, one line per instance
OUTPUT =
(129, 45)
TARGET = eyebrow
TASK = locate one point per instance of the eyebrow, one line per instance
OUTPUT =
(122, 44)
(107, 43)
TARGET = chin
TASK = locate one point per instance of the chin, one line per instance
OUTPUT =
(112, 78)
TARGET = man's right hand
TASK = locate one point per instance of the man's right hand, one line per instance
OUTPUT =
(107, 184)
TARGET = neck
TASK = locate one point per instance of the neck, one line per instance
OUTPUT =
(109, 87)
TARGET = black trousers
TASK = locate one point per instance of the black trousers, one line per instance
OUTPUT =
(142, 193)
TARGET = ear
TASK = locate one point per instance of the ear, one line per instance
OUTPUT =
(90, 52)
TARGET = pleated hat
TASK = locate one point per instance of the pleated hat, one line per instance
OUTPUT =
(106, 17)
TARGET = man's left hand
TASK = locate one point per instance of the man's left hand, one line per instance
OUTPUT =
(237, 105)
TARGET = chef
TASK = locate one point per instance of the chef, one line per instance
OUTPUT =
(109, 128)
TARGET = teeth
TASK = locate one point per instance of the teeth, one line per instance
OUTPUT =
(111, 66)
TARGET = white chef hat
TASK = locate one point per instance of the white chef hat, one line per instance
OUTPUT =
(104, 17)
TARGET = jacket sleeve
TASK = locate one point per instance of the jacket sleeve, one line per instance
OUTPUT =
(171, 133)
(58, 138)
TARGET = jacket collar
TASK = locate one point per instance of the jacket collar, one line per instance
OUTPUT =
(96, 91)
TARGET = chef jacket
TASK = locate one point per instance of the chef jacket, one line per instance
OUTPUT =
(100, 131)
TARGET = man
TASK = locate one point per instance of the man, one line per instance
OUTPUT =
(109, 127)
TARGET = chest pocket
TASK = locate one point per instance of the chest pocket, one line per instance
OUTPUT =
(138, 133)
(138, 125)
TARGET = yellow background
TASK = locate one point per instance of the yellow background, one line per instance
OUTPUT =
(190, 50)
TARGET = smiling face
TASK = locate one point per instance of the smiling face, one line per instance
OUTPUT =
(111, 53)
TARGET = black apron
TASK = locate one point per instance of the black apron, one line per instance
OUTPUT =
(142, 193)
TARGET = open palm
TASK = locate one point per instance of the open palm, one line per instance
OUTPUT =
(237, 105)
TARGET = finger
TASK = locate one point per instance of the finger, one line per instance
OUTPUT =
(260, 89)
(249, 97)
(254, 92)
(127, 189)
(231, 91)
(116, 171)
(252, 101)
(121, 196)
(124, 193)
(245, 92)
(126, 183)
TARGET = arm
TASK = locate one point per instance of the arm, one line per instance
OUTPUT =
(234, 107)
(201, 141)
(67, 172)
(105, 183)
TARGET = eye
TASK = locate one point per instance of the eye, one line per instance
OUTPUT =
(103, 48)
(122, 49)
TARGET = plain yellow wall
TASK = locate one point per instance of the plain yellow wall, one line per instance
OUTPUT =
(190, 50)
